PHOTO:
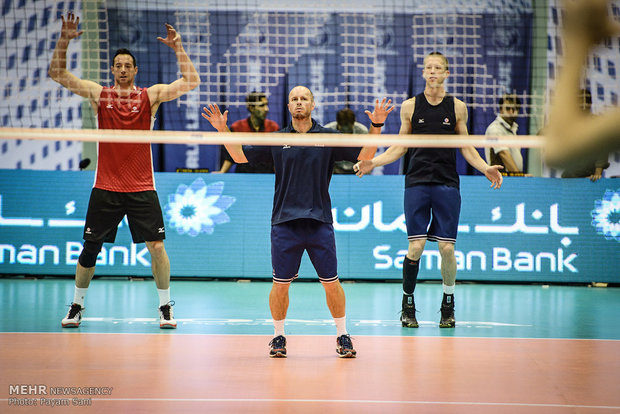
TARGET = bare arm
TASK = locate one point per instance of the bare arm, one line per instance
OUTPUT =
(218, 120)
(189, 76)
(58, 66)
(571, 134)
(394, 152)
(225, 167)
(508, 162)
(469, 153)
(377, 116)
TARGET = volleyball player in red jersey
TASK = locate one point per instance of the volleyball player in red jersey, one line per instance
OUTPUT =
(124, 182)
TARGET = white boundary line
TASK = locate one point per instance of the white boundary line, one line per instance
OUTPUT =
(276, 139)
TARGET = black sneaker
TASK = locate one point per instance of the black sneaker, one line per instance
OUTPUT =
(447, 316)
(166, 316)
(278, 347)
(344, 347)
(407, 317)
(74, 316)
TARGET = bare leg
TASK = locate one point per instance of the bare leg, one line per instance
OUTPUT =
(416, 247)
(336, 301)
(278, 300)
(448, 263)
(160, 264)
(83, 276)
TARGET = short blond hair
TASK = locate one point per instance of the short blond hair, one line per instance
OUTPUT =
(440, 55)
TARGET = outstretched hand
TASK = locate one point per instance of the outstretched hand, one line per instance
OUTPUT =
(494, 176)
(69, 28)
(217, 119)
(363, 168)
(381, 111)
(172, 37)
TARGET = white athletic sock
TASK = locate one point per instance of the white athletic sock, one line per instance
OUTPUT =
(448, 290)
(278, 328)
(341, 326)
(78, 295)
(164, 296)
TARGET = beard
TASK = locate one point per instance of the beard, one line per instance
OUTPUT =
(298, 115)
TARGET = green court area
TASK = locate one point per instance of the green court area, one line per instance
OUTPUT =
(241, 307)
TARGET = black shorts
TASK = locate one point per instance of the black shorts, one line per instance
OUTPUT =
(106, 209)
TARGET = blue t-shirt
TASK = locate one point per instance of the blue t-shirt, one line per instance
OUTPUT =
(302, 176)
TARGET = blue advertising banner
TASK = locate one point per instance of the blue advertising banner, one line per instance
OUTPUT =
(533, 229)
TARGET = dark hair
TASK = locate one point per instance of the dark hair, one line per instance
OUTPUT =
(254, 97)
(123, 51)
(345, 117)
(510, 98)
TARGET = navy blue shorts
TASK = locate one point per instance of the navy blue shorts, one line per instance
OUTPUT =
(106, 209)
(442, 202)
(290, 239)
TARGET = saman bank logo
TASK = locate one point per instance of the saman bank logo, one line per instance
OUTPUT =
(198, 208)
(606, 215)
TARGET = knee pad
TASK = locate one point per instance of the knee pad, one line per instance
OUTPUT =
(89, 254)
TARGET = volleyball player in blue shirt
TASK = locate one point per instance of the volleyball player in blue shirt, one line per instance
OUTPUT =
(301, 218)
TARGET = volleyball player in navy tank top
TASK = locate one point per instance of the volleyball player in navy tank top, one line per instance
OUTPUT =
(432, 183)
(301, 219)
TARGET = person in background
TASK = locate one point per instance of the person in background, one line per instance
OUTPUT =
(345, 122)
(505, 125)
(258, 106)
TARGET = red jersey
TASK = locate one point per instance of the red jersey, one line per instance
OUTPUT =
(243, 125)
(124, 167)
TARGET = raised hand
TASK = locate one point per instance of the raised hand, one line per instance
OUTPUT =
(69, 28)
(589, 20)
(172, 37)
(217, 119)
(381, 111)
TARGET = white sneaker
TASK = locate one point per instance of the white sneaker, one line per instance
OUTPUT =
(74, 316)
(166, 316)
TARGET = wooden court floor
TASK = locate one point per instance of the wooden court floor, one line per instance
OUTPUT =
(497, 359)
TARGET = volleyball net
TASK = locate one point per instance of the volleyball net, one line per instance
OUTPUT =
(349, 53)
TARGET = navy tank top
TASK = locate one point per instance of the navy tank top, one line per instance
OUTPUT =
(434, 166)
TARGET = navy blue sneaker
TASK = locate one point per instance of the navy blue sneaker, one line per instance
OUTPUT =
(278, 347)
(344, 347)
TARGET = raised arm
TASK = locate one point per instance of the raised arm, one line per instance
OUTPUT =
(58, 66)
(394, 152)
(189, 75)
(470, 154)
(219, 120)
(571, 134)
(377, 117)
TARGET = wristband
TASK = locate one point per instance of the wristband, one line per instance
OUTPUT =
(377, 125)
